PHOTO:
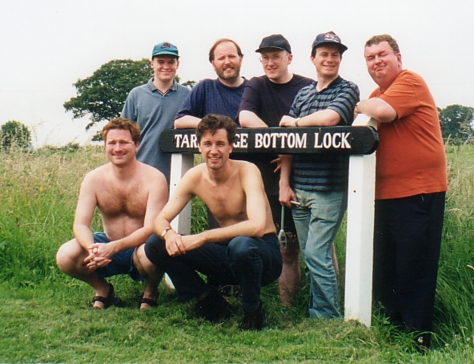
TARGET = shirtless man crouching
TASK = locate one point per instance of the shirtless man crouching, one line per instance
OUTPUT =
(129, 195)
(244, 250)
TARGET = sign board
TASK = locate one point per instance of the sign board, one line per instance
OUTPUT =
(335, 139)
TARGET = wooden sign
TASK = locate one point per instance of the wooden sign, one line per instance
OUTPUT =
(335, 139)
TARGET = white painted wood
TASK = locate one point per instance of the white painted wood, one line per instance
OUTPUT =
(359, 241)
(180, 163)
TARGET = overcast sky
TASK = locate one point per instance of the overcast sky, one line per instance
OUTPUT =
(48, 45)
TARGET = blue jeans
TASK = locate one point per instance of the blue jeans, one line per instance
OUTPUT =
(317, 221)
(250, 262)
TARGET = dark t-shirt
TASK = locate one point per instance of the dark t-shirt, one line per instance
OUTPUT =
(212, 97)
(270, 102)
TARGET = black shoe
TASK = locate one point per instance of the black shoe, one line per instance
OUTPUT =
(211, 306)
(253, 320)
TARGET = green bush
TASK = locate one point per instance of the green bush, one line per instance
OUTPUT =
(15, 134)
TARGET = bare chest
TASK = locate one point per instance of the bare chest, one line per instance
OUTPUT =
(130, 200)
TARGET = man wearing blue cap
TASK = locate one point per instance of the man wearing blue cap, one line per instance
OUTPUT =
(319, 181)
(154, 105)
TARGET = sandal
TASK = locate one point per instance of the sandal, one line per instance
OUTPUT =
(108, 301)
(147, 301)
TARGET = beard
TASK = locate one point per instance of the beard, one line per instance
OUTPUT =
(229, 76)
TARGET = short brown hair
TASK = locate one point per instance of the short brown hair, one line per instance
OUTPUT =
(376, 39)
(211, 123)
(122, 124)
(223, 40)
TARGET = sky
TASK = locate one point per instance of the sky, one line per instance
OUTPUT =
(47, 45)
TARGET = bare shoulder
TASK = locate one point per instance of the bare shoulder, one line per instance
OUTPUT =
(246, 167)
(97, 175)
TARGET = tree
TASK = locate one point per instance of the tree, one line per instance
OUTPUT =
(103, 94)
(14, 133)
(457, 123)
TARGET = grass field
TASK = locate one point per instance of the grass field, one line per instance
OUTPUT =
(45, 317)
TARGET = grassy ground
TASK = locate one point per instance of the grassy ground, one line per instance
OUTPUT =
(44, 314)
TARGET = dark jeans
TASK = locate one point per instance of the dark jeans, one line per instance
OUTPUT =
(249, 262)
(407, 244)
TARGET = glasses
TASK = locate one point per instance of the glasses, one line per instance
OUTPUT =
(276, 59)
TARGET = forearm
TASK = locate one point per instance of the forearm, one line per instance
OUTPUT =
(377, 109)
(186, 122)
(83, 235)
(248, 119)
(320, 118)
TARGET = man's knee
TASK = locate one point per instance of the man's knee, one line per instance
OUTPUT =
(154, 249)
(141, 262)
(68, 256)
(240, 248)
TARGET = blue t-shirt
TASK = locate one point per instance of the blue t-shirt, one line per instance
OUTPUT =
(212, 97)
(154, 112)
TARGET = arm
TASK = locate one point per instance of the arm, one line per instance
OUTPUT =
(377, 109)
(286, 192)
(162, 222)
(186, 122)
(248, 119)
(325, 117)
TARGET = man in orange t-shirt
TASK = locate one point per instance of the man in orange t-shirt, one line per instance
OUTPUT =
(410, 189)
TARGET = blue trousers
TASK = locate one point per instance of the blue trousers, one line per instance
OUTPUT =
(249, 262)
(407, 245)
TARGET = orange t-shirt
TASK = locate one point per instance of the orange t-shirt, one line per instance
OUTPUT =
(410, 158)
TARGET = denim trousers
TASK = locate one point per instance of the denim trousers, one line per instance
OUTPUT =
(407, 242)
(249, 262)
(317, 220)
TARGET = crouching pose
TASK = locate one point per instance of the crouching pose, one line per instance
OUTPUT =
(129, 195)
(244, 250)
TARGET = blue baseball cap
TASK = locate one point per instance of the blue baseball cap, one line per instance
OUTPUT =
(329, 38)
(165, 48)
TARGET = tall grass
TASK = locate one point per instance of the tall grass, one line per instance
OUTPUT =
(43, 314)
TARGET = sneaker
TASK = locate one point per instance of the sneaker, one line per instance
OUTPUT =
(211, 306)
(253, 320)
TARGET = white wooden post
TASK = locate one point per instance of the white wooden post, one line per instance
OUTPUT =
(359, 241)
(180, 163)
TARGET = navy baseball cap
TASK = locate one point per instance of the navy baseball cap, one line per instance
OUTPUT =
(165, 48)
(276, 41)
(329, 38)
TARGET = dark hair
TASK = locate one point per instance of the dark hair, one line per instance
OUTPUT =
(376, 39)
(211, 123)
(223, 40)
(122, 124)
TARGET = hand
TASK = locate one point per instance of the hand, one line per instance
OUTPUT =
(174, 244)
(94, 260)
(276, 161)
(286, 195)
(287, 120)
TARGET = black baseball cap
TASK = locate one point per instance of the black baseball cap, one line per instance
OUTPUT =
(276, 41)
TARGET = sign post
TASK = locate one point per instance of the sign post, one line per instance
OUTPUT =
(359, 141)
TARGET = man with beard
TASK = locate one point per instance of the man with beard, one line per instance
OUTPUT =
(215, 96)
